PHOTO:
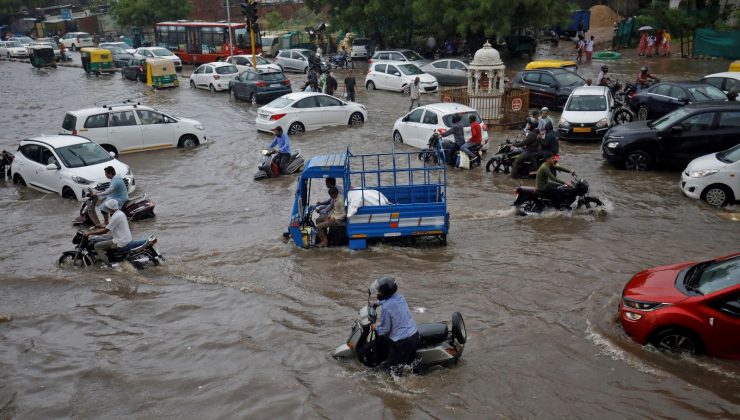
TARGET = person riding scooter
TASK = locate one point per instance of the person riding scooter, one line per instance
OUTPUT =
(397, 325)
(282, 142)
(642, 78)
(548, 184)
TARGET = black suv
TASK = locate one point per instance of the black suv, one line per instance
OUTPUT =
(259, 86)
(676, 138)
(548, 87)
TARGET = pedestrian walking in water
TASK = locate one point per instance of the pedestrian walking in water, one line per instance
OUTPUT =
(666, 43)
(650, 45)
(331, 83)
(642, 46)
(415, 94)
(580, 47)
(658, 41)
(589, 48)
(322, 83)
(349, 85)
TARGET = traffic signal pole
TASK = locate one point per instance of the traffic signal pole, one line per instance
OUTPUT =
(249, 9)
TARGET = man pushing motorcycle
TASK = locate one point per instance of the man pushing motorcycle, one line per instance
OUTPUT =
(396, 325)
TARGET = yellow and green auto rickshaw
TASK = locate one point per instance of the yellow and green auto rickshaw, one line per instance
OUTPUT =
(42, 55)
(97, 60)
(735, 66)
(161, 73)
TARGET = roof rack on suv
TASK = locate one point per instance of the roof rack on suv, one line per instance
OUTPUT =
(124, 103)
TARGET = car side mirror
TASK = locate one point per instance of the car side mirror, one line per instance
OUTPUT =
(397, 74)
(53, 167)
(405, 119)
(677, 129)
(112, 154)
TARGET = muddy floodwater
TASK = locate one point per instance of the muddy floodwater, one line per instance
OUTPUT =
(238, 324)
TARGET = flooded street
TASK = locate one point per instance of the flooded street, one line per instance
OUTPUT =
(238, 324)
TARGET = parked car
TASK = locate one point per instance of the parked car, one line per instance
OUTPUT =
(64, 164)
(213, 76)
(398, 76)
(13, 49)
(714, 178)
(448, 71)
(259, 86)
(302, 111)
(244, 62)
(588, 114)
(416, 127)
(23, 40)
(159, 52)
(674, 139)
(134, 69)
(129, 49)
(548, 87)
(76, 40)
(133, 128)
(725, 82)
(298, 60)
(270, 45)
(360, 48)
(406, 55)
(663, 98)
(687, 307)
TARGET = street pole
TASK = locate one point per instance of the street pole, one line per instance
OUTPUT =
(251, 36)
(228, 19)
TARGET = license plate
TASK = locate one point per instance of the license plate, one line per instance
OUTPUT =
(275, 85)
(582, 129)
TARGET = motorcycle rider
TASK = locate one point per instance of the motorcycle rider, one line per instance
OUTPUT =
(603, 79)
(282, 142)
(642, 78)
(457, 131)
(543, 119)
(397, 325)
(475, 140)
(550, 141)
(116, 190)
(547, 182)
(531, 145)
(118, 227)
(532, 122)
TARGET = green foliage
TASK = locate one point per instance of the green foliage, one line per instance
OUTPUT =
(683, 20)
(11, 7)
(274, 20)
(402, 19)
(146, 13)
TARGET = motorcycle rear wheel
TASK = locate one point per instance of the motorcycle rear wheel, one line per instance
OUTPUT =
(530, 206)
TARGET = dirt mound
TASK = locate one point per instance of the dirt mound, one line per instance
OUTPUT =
(603, 16)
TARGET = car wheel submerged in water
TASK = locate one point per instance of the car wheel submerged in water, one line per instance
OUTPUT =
(296, 128)
(637, 160)
(675, 340)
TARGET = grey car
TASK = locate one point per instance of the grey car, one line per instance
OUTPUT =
(298, 60)
(448, 71)
(120, 56)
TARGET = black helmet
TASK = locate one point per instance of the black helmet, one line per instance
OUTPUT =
(385, 287)
(644, 69)
(605, 69)
(548, 126)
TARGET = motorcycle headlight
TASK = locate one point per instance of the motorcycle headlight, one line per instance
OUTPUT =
(80, 180)
(602, 123)
(702, 173)
(612, 144)
(199, 127)
(564, 123)
(644, 306)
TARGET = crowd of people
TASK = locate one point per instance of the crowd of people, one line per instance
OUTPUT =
(652, 44)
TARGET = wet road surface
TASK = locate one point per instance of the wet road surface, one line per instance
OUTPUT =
(237, 323)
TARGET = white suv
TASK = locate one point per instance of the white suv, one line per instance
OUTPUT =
(76, 40)
(65, 165)
(398, 76)
(133, 128)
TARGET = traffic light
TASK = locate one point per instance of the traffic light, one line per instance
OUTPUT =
(249, 9)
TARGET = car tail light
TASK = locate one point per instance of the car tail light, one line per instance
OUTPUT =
(370, 61)
(285, 82)
(216, 77)
(74, 132)
(276, 117)
(484, 127)
(261, 84)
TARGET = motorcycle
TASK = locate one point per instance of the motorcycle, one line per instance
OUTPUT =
(268, 167)
(622, 112)
(137, 208)
(6, 159)
(320, 66)
(440, 344)
(140, 253)
(529, 201)
(505, 156)
(341, 60)
(447, 150)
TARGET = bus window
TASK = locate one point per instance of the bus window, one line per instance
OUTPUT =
(212, 39)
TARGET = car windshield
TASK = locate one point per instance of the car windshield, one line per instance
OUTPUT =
(707, 93)
(412, 56)
(10, 44)
(730, 156)
(713, 276)
(261, 61)
(272, 77)
(447, 119)
(586, 103)
(665, 122)
(116, 50)
(161, 52)
(83, 154)
(24, 40)
(361, 41)
(279, 103)
(227, 70)
(569, 79)
(410, 69)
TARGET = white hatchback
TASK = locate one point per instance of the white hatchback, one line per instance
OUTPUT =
(244, 62)
(133, 128)
(588, 114)
(398, 76)
(302, 111)
(159, 52)
(714, 178)
(416, 127)
(66, 165)
(213, 76)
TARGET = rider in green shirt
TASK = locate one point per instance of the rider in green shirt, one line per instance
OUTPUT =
(547, 182)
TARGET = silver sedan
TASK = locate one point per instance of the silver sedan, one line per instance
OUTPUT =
(448, 71)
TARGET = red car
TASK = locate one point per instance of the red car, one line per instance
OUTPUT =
(686, 308)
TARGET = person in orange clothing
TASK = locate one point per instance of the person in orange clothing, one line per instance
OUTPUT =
(642, 46)
(666, 42)
(475, 140)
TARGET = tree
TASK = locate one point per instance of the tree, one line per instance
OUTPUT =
(274, 20)
(11, 7)
(146, 13)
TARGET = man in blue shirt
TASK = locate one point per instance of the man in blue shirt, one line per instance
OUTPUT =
(117, 190)
(282, 143)
(396, 324)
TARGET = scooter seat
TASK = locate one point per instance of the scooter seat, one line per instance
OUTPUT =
(432, 333)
